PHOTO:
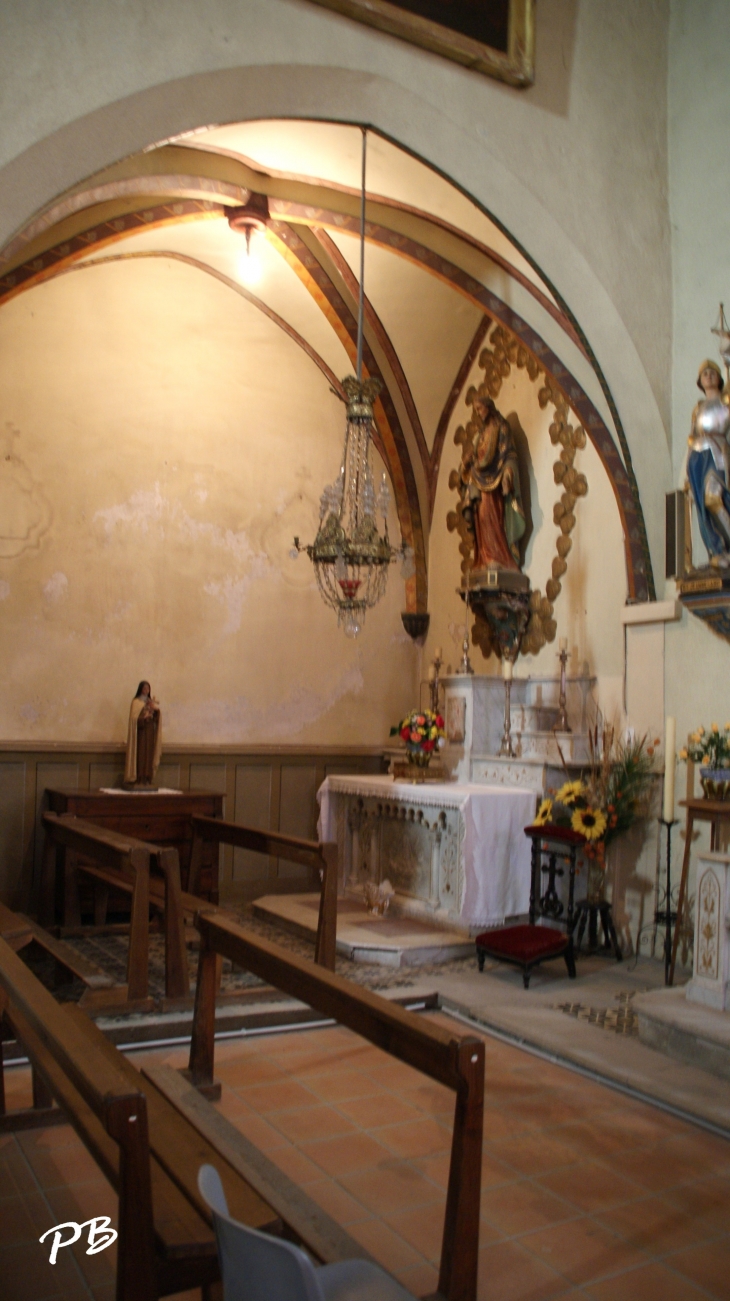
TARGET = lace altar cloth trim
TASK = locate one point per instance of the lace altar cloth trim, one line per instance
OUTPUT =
(451, 795)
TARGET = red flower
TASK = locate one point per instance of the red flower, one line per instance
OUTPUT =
(428, 746)
(406, 733)
(439, 721)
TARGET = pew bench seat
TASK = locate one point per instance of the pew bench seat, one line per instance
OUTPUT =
(166, 1238)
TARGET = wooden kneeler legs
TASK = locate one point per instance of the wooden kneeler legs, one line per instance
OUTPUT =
(122, 863)
(456, 1062)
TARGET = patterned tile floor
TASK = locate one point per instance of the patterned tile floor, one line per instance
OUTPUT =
(585, 1194)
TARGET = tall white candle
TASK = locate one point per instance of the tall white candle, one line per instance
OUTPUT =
(431, 672)
(670, 759)
(507, 668)
(438, 653)
(563, 644)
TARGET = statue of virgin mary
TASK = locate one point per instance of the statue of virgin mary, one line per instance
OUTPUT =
(489, 486)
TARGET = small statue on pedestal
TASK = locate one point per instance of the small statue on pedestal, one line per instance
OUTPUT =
(708, 464)
(144, 739)
(488, 482)
(490, 491)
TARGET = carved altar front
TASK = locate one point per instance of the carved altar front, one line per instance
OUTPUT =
(452, 852)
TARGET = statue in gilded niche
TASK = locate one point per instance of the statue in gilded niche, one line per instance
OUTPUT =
(708, 464)
(489, 486)
(144, 738)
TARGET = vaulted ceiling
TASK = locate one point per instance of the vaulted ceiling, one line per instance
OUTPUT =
(438, 272)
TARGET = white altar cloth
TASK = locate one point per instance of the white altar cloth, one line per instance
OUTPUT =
(496, 849)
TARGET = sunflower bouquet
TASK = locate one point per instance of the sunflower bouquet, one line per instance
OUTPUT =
(611, 795)
(422, 730)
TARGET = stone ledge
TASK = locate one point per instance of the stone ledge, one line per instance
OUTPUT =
(686, 1030)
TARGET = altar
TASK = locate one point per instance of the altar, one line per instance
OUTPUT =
(455, 853)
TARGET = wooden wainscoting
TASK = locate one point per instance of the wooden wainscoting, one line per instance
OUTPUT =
(274, 788)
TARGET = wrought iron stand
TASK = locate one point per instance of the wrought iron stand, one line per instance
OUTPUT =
(665, 915)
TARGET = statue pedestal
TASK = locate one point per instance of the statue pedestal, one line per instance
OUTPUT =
(692, 1022)
(710, 983)
(474, 714)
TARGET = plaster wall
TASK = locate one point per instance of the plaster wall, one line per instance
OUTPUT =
(162, 443)
(575, 167)
(699, 101)
(697, 661)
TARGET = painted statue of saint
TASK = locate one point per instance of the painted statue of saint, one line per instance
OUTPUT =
(708, 464)
(144, 738)
(489, 484)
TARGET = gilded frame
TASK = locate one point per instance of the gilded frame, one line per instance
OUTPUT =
(517, 66)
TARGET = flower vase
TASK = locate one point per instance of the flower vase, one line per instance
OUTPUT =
(418, 761)
(715, 783)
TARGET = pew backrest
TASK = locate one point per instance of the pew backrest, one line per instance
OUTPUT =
(319, 856)
(455, 1061)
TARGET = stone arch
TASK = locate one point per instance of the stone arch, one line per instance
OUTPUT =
(100, 137)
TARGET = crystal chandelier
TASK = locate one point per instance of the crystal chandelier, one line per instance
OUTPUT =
(349, 555)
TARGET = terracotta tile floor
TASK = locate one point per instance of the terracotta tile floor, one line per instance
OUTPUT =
(585, 1194)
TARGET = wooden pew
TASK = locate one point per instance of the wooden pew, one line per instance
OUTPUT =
(320, 856)
(149, 1136)
(124, 863)
(457, 1062)
(20, 930)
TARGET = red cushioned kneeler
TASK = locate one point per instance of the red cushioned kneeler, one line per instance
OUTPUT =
(526, 947)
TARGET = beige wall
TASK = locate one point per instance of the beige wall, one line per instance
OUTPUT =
(575, 168)
(698, 661)
(164, 443)
(585, 169)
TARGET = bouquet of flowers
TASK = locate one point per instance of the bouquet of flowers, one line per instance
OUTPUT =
(422, 731)
(710, 749)
(609, 798)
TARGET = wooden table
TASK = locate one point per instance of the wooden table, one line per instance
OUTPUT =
(160, 818)
(698, 810)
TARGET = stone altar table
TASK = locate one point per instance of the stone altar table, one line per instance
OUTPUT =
(452, 852)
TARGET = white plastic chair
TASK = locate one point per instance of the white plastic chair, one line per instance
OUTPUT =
(258, 1267)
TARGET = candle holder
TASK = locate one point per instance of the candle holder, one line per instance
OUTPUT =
(434, 683)
(665, 915)
(507, 749)
(465, 665)
(563, 725)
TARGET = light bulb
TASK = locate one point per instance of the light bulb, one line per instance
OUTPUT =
(351, 624)
(250, 267)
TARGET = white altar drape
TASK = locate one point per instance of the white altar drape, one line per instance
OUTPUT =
(496, 849)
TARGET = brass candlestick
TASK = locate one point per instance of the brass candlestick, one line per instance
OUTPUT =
(507, 749)
(433, 684)
(465, 666)
(563, 724)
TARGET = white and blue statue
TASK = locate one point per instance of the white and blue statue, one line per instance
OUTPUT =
(708, 464)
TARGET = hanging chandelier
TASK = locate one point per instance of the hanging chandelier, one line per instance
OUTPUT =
(349, 555)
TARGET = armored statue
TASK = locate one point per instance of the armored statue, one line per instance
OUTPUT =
(708, 464)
